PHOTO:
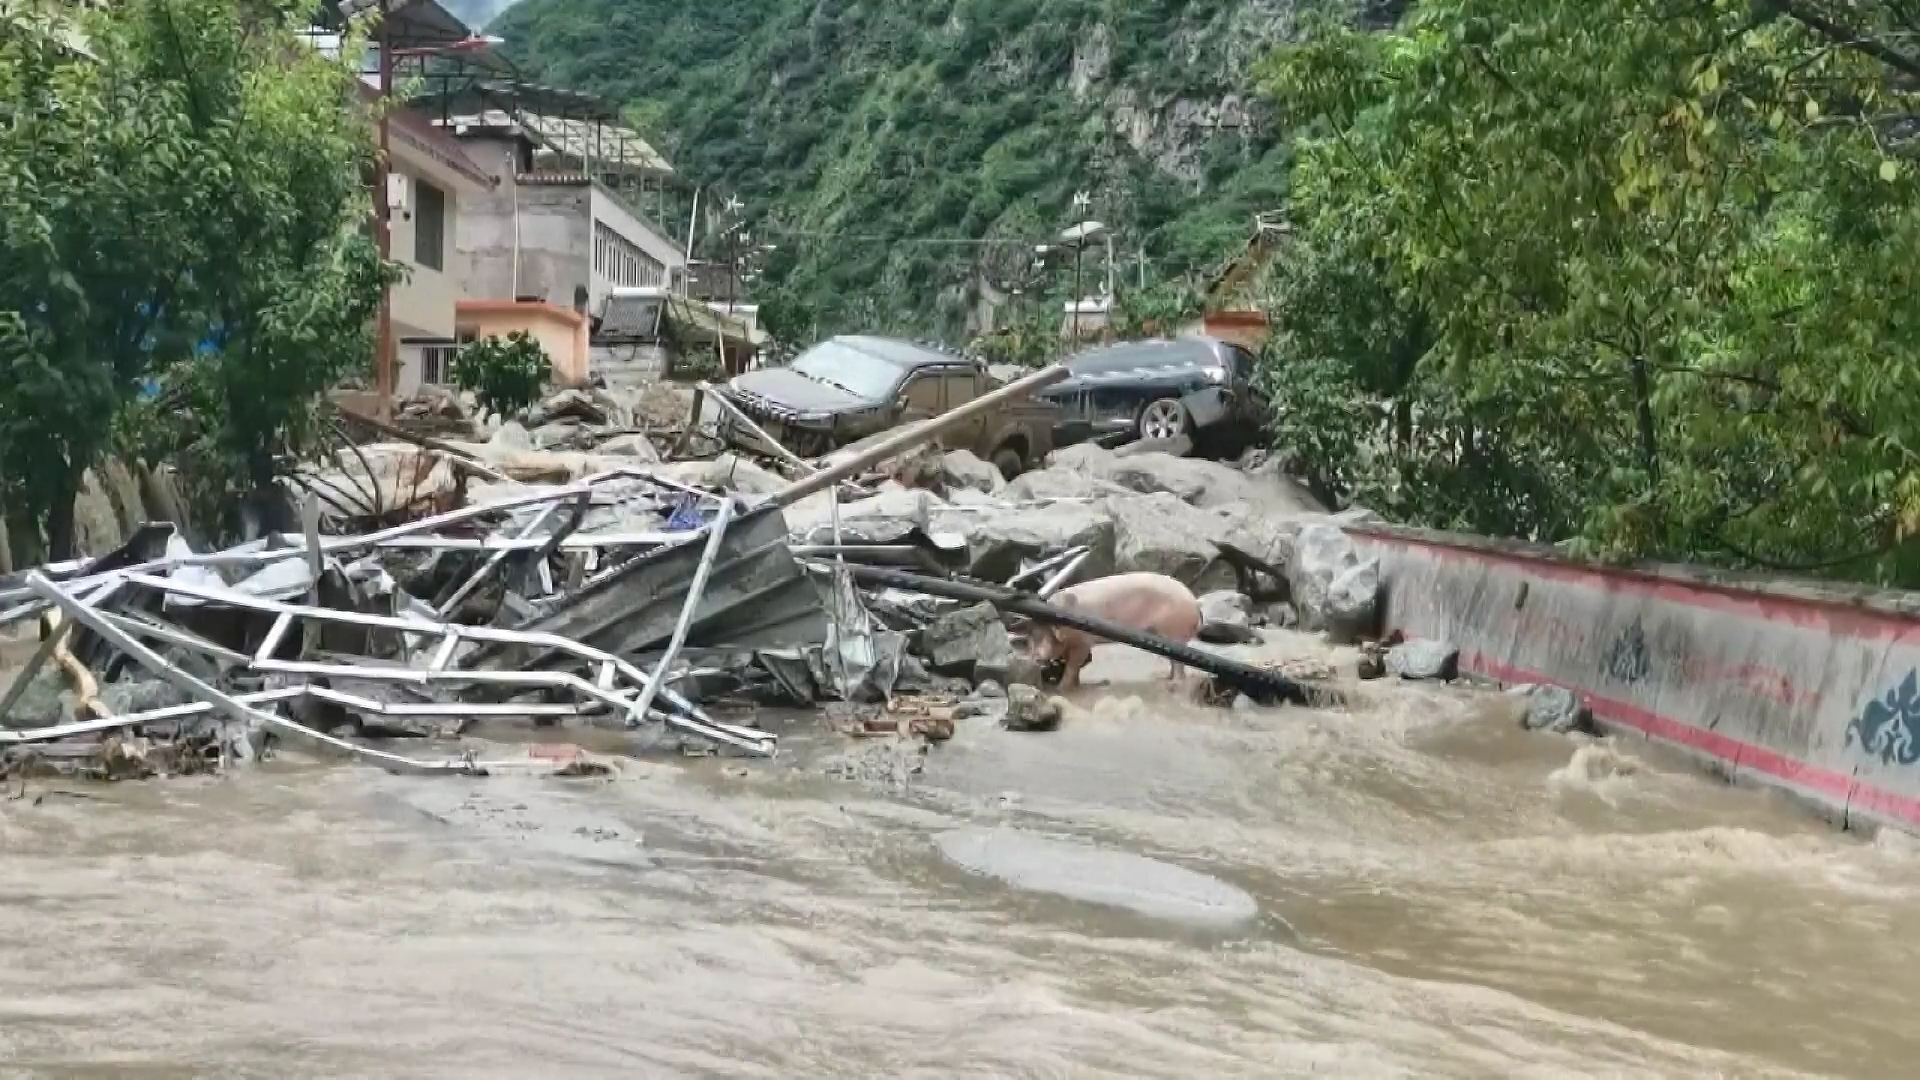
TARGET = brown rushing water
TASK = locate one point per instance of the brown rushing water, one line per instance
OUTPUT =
(1442, 895)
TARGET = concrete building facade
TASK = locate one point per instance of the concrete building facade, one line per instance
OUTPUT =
(431, 184)
(562, 238)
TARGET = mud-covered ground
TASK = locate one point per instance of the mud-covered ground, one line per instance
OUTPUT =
(1439, 894)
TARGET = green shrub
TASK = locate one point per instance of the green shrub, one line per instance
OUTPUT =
(505, 374)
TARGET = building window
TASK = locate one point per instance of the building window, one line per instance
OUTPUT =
(436, 364)
(621, 262)
(429, 226)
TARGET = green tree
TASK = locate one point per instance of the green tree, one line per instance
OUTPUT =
(180, 205)
(1632, 271)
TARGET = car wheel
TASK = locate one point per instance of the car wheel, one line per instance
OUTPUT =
(1009, 461)
(1163, 419)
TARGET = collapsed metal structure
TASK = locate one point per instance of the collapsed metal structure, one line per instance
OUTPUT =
(173, 613)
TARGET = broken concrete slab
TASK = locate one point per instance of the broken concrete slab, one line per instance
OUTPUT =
(960, 469)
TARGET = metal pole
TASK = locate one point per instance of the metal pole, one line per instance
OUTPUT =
(383, 373)
(915, 435)
(717, 531)
(1077, 249)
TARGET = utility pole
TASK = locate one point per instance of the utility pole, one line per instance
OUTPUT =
(383, 228)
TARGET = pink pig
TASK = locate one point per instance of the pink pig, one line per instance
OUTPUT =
(1154, 603)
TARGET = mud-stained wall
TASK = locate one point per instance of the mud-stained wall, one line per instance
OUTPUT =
(1811, 689)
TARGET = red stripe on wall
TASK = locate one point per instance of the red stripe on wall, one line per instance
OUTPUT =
(1826, 616)
(1840, 788)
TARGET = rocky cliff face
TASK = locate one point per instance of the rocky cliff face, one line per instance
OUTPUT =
(905, 157)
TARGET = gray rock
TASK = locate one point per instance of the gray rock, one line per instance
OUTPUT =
(511, 436)
(1017, 667)
(998, 540)
(1421, 658)
(1109, 878)
(557, 433)
(1553, 708)
(1322, 555)
(1224, 618)
(575, 404)
(1193, 480)
(989, 689)
(1353, 600)
(1225, 605)
(1178, 446)
(1161, 534)
(140, 695)
(956, 642)
(1080, 457)
(45, 701)
(1060, 483)
(971, 708)
(638, 447)
(961, 469)
(1030, 710)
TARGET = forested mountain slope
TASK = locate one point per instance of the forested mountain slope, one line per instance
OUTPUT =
(877, 142)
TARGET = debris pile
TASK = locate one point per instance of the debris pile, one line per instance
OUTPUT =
(572, 566)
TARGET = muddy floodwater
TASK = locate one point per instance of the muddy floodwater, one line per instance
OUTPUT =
(1438, 894)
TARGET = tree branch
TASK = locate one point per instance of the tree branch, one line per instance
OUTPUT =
(1847, 38)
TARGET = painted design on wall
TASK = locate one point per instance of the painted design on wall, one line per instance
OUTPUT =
(1626, 659)
(1888, 726)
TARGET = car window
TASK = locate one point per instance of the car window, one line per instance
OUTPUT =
(1138, 354)
(850, 369)
(963, 385)
(1243, 361)
(921, 395)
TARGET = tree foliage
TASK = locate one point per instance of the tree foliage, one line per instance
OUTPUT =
(505, 374)
(178, 208)
(1637, 273)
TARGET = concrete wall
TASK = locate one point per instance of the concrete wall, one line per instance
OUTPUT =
(555, 229)
(562, 332)
(1800, 687)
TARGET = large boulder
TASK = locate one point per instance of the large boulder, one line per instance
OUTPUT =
(955, 643)
(960, 469)
(1060, 483)
(1552, 708)
(1322, 555)
(1193, 480)
(881, 519)
(571, 404)
(997, 540)
(1080, 457)
(1224, 619)
(1422, 658)
(1353, 603)
(1161, 534)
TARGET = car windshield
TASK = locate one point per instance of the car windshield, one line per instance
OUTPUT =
(850, 369)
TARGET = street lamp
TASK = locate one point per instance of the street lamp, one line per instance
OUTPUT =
(1078, 237)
